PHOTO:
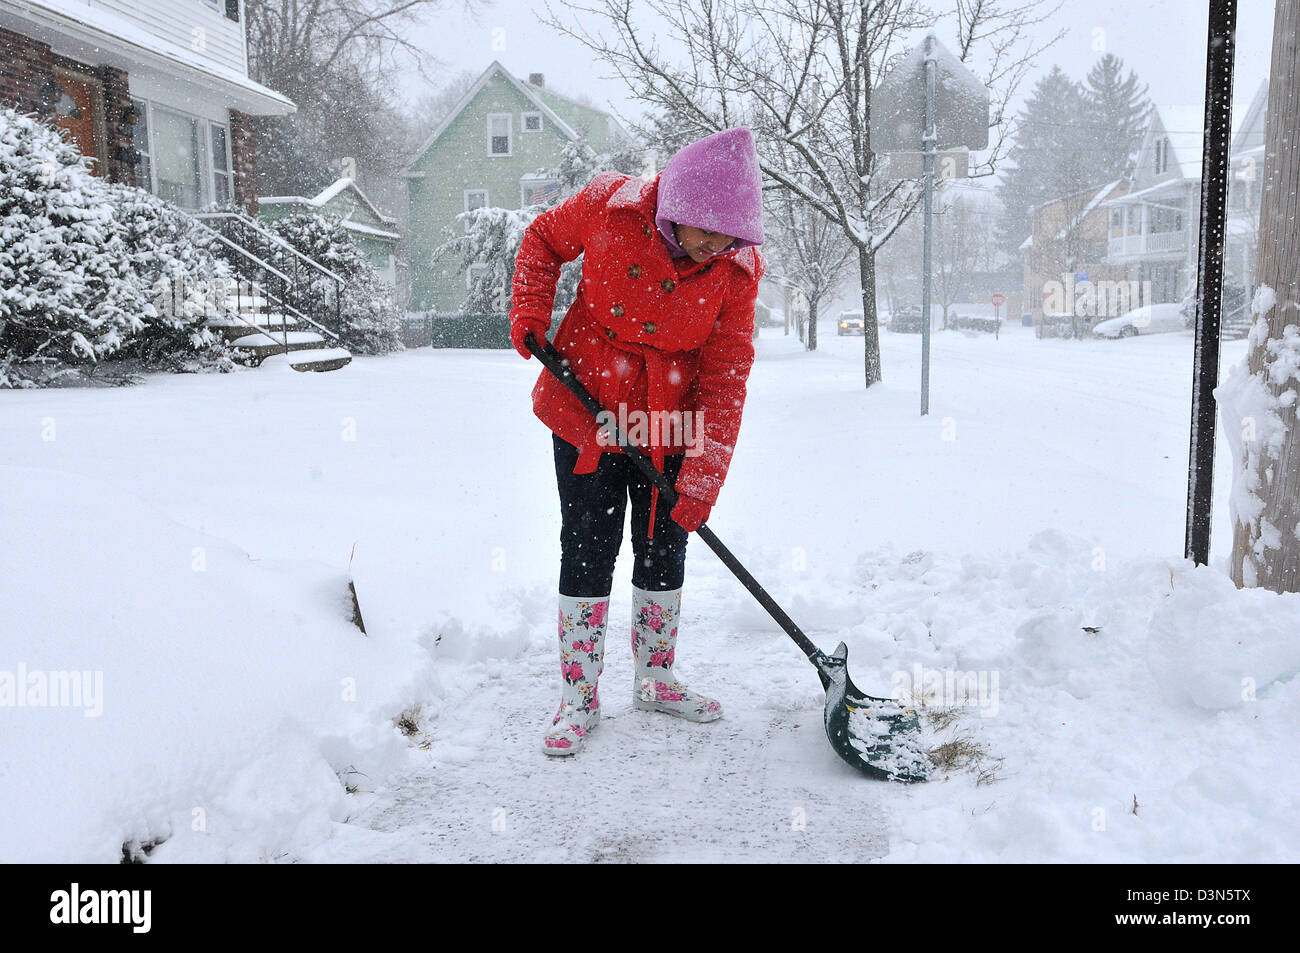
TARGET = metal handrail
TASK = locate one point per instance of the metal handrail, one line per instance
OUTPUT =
(274, 239)
(245, 252)
(293, 281)
(284, 280)
(280, 303)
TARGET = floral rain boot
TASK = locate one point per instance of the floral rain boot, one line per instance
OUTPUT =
(654, 643)
(582, 657)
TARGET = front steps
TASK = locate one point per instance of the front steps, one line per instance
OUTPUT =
(258, 335)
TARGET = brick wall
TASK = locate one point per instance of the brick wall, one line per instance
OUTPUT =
(243, 157)
(118, 139)
(27, 67)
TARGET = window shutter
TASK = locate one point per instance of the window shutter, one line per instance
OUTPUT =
(232, 10)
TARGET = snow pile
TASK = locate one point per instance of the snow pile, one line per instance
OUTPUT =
(1080, 711)
(156, 684)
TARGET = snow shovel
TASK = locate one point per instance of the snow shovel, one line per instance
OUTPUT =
(878, 736)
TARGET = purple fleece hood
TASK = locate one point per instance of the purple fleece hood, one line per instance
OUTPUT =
(713, 183)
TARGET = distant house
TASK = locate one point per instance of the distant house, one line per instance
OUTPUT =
(374, 232)
(1153, 228)
(1244, 192)
(497, 147)
(155, 92)
(1068, 246)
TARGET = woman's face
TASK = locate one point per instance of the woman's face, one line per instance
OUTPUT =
(700, 243)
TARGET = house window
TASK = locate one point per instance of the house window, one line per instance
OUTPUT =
(499, 127)
(538, 192)
(229, 7)
(220, 141)
(532, 122)
(475, 198)
(1162, 155)
(178, 155)
(140, 142)
(472, 274)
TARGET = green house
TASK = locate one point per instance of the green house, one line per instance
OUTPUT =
(495, 148)
(374, 232)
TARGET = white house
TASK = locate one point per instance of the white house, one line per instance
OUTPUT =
(156, 92)
(1154, 229)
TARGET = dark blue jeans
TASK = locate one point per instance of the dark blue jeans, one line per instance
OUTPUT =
(592, 506)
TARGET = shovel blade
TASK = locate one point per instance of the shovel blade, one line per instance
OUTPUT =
(877, 736)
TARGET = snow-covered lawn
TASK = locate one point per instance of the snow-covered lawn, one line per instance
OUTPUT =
(188, 540)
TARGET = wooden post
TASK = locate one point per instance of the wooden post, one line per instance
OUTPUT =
(1277, 567)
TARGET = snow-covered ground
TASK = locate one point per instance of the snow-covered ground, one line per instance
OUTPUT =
(186, 542)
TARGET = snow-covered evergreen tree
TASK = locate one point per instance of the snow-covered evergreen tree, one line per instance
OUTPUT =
(66, 294)
(1118, 112)
(83, 263)
(369, 318)
(1053, 154)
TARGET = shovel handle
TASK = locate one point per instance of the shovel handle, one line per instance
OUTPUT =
(557, 365)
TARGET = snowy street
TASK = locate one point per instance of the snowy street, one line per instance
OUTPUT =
(1029, 533)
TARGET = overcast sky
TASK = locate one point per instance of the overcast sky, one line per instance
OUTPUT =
(1163, 40)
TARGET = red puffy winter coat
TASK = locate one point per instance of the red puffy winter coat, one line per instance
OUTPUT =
(646, 331)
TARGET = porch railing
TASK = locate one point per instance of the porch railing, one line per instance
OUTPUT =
(312, 291)
(267, 279)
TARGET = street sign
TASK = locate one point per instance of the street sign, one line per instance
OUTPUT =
(961, 104)
(932, 101)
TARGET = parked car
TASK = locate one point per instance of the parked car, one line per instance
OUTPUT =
(1149, 319)
(906, 321)
(852, 322)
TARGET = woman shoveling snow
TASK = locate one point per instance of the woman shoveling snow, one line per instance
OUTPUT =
(661, 332)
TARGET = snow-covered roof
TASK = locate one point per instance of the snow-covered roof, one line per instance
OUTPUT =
(114, 35)
(328, 194)
(547, 91)
(370, 230)
(1250, 131)
(1169, 188)
(525, 90)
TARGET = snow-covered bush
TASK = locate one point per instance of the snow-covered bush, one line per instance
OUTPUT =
(80, 264)
(370, 321)
(66, 294)
(171, 260)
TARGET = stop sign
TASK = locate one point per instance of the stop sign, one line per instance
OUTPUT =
(999, 299)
